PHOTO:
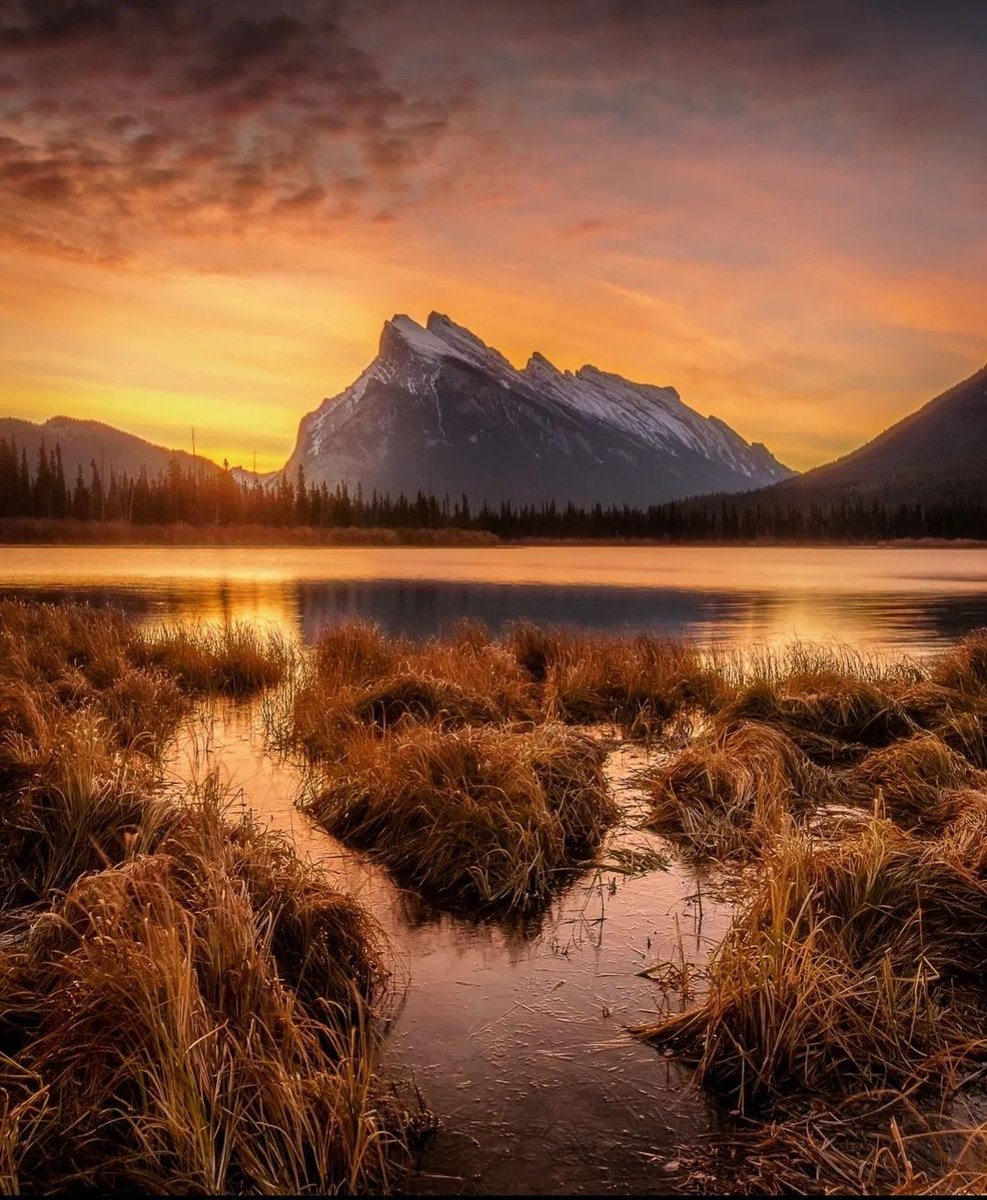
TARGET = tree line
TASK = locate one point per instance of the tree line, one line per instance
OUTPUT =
(200, 494)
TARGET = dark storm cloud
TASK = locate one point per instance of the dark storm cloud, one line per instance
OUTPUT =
(128, 118)
(123, 115)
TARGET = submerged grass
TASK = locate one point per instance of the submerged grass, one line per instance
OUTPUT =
(491, 817)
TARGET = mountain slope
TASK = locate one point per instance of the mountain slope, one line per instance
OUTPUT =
(938, 452)
(83, 442)
(438, 410)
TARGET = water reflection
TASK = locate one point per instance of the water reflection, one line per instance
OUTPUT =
(876, 598)
(516, 1033)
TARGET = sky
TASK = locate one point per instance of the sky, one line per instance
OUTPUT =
(207, 210)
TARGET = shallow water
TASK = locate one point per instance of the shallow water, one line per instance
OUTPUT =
(516, 1036)
(880, 598)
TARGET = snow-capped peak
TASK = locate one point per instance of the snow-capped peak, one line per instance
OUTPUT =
(412, 335)
(462, 343)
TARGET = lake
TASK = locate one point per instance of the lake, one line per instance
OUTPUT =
(517, 1033)
(910, 599)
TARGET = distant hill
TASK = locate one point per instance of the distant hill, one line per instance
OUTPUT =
(937, 454)
(83, 442)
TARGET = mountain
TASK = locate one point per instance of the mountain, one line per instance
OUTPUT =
(440, 411)
(83, 442)
(937, 453)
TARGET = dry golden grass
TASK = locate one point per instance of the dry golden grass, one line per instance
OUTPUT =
(181, 1030)
(360, 679)
(833, 719)
(77, 804)
(491, 817)
(853, 966)
(196, 1014)
(184, 1006)
(963, 667)
(909, 778)
(734, 790)
(637, 682)
(232, 660)
(60, 658)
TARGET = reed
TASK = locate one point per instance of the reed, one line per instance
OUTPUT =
(491, 817)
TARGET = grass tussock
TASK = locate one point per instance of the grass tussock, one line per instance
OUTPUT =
(78, 805)
(963, 667)
(360, 677)
(639, 683)
(485, 817)
(909, 778)
(363, 680)
(730, 793)
(184, 1005)
(56, 659)
(833, 719)
(232, 660)
(198, 1019)
(854, 966)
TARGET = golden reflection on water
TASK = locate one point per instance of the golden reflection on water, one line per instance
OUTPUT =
(885, 597)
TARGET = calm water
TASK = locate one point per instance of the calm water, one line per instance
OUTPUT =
(880, 598)
(517, 1035)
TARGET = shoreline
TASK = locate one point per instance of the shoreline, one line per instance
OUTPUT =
(51, 533)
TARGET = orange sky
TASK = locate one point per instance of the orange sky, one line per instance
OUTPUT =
(206, 216)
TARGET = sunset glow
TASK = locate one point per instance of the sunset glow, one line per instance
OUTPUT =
(207, 211)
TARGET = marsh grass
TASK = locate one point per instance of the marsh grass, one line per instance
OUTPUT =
(231, 660)
(197, 1015)
(184, 1005)
(81, 804)
(637, 682)
(490, 817)
(361, 680)
(358, 676)
(881, 1144)
(833, 719)
(734, 790)
(910, 778)
(853, 966)
(963, 667)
